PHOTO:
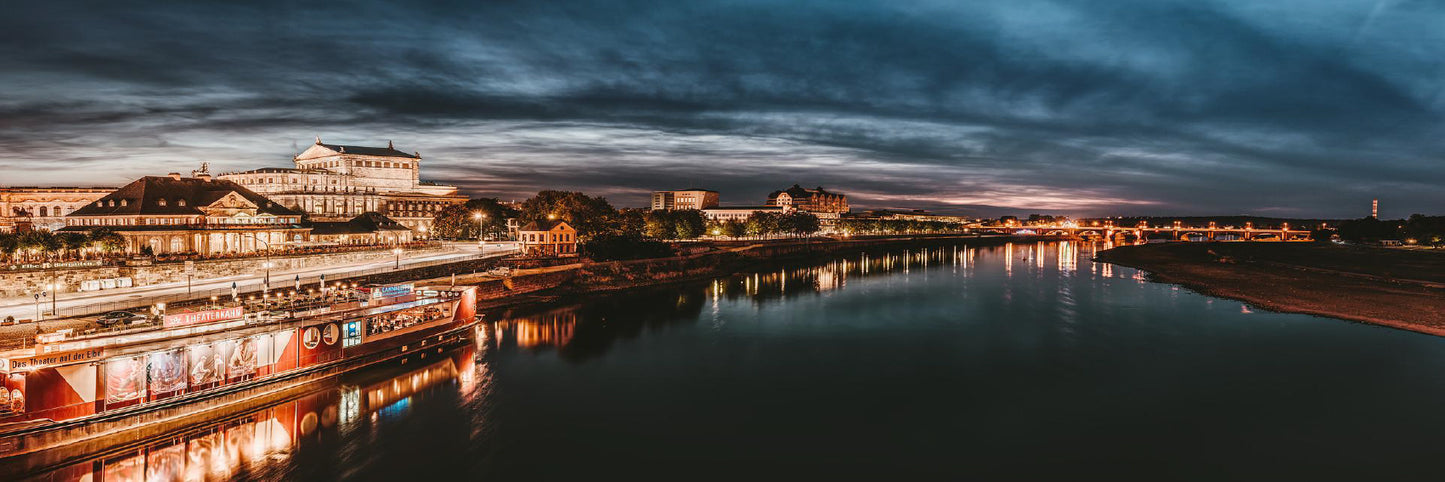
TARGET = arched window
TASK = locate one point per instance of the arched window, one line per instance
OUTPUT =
(44, 211)
(177, 244)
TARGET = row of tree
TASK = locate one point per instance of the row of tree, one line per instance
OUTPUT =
(856, 226)
(1419, 228)
(33, 246)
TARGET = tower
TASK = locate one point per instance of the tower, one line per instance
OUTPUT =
(1375, 209)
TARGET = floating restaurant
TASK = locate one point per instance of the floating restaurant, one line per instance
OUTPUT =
(65, 390)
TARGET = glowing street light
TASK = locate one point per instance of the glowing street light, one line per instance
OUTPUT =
(397, 252)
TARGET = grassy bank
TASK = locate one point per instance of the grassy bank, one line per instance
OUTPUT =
(1392, 287)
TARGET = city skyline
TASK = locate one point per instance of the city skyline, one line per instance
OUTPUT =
(1139, 108)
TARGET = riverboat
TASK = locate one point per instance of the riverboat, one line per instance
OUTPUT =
(65, 390)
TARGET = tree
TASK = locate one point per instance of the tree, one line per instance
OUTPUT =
(798, 223)
(588, 215)
(734, 228)
(106, 241)
(72, 243)
(460, 221)
(609, 247)
(688, 224)
(761, 223)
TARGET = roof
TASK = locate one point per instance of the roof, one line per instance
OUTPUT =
(749, 208)
(368, 222)
(547, 225)
(144, 195)
(388, 151)
(691, 189)
(275, 170)
(800, 192)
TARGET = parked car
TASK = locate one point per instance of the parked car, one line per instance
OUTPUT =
(121, 317)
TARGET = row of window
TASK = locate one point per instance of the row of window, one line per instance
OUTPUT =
(543, 237)
(180, 221)
(43, 211)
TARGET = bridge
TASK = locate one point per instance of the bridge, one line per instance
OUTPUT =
(1176, 231)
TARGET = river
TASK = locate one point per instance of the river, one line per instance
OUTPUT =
(1017, 362)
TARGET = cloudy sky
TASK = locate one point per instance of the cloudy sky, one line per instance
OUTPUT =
(1285, 107)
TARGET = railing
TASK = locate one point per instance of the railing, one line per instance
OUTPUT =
(243, 290)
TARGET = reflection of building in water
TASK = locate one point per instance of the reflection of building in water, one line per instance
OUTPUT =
(554, 329)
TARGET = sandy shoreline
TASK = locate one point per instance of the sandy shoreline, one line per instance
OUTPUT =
(1355, 284)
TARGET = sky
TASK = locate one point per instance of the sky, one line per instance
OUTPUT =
(1299, 108)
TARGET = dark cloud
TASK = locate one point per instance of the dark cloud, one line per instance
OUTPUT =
(1139, 107)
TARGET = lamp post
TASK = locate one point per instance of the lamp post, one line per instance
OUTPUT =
(266, 287)
(397, 252)
(480, 217)
(38, 316)
(54, 294)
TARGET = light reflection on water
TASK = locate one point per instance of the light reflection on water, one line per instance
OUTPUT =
(1012, 362)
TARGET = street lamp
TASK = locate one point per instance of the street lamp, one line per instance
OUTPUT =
(479, 217)
(397, 252)
(267, 286)
(54, 294)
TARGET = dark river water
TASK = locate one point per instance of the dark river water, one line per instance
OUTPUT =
(1022, 362)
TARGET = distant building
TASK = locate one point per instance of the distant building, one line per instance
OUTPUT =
(366, 229)
(26, 208)
(547, 238)
(683, 199)
(332, 182)
(737, 213)
(809, 200)
(175, 215)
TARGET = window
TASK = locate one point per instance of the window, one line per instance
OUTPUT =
(161, 202)
(180, 202)
(44, 211)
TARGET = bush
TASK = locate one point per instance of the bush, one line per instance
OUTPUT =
(612, 247)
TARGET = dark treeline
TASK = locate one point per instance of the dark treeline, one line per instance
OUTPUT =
(1418, 229)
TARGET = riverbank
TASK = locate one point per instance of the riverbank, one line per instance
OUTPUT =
(554, 282)
(1402, 289)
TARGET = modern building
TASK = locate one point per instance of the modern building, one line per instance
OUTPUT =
(547, 238)
(181, 215)
(810, 200)
(332, 183)
(683, 199)
(44, 208)
(738, 213)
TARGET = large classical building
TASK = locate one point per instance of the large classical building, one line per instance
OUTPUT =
(175, 215)
(26, 208)
(683, 199)
(337, 183)
(815, 201)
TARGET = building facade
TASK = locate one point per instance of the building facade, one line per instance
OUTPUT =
(811, 200)
(334, 183)
(43, 208)
(195, 215)
(547, 238)
(737, 213)
(684, 199)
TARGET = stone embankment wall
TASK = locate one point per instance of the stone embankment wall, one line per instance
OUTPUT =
(26, 282)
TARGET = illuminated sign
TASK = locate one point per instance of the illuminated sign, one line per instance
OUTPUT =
(59, 265)
(27, 363)
(183, 319)
(391, 291)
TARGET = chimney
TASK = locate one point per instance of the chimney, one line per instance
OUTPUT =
(175, 175)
